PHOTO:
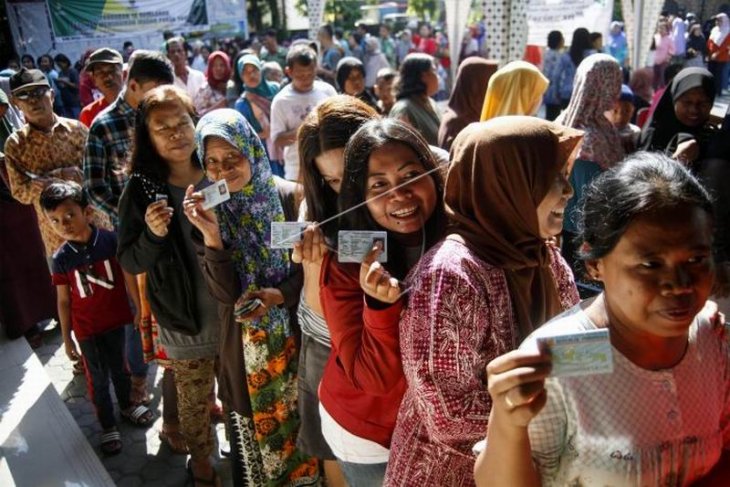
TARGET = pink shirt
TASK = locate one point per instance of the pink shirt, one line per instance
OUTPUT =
(664, 48)
(459, 317)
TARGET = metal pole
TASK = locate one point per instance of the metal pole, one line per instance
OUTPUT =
(638, 20)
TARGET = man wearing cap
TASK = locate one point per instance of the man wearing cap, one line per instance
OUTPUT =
(109, 145)
(47, 147)
(105, 67)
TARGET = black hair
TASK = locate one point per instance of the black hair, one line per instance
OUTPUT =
(672, 70)
(579, 45)
(25, 57)
(147, 66)
(594, 36)
(145, 158)
(127, 44)
(300, 54)
(339, 32)
(62, 58)
(644, 182)
(385, 74)
(270, 33)
(168, 34)
(370, 137)
(43, 56)
(554, 39)
(327, 29)
(344, 67)
(330, 125)
(411, 71)
(59, 191)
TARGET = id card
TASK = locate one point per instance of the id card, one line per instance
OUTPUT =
(160, 197)
(215, 194)
(578, 354)
(353, 245)
(285, 234)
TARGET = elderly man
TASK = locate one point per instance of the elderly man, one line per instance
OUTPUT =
(105, 66)
(47, 147)
(186, 78)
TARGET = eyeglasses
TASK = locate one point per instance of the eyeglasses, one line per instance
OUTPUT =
(34, 94)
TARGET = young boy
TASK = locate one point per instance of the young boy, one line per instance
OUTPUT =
(292, 104)
(92, 300)
(620, 117)
(384, 90)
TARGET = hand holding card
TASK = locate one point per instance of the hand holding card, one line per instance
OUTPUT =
(354, 245)
(377, 282)
(204, 220)
(215, 194)
(578, 354)
(285, 234)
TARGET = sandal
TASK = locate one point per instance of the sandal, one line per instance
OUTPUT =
(175, 441)
(139, 394)
(111, 442)
(138, 416)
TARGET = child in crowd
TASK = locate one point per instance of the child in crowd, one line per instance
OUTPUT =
(620, 116)
(384, 90)
(92, 300)
(661, 416)
(292, 104)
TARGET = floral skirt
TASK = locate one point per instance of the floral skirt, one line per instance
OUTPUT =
(271, 371)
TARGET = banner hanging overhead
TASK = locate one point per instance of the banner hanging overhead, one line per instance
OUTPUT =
(74, 19)
(544, 16)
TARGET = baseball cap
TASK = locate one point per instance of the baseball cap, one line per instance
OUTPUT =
(104, 55)
(26, 78)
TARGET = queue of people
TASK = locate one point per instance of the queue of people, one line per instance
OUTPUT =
(422, 360)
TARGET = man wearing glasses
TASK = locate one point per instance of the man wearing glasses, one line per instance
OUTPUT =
(46, 148)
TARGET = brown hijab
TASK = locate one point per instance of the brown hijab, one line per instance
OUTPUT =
(465, 104)
(500, 172)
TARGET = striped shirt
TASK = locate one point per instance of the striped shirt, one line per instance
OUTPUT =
(312, 324)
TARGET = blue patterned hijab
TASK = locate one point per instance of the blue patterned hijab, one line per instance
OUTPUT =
(245, 219)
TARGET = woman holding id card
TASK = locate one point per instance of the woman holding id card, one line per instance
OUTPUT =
(661, 416)
(254, 287)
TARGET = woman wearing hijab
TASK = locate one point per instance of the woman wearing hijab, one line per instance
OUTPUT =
(516, 89)
(350, 78)
(597, 87)
(718, 48)
(466, 98)
(696, 47)
(255, 104)
(617, 45)
(683, 113)
(679, 37)
(212, 94)
(240, 266)
(480, 291)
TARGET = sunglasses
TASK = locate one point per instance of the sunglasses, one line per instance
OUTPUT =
(35, 94)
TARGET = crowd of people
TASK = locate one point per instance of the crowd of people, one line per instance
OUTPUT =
(419, 364)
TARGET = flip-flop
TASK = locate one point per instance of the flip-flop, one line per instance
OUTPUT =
(79, 367)
(139, 416)
(111, 443)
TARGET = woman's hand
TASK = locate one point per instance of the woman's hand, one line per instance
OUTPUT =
(516, 382)
(203, 220)
(158, 217)
(311, 248)
(687, 152)
(375, 281)
(269, 296)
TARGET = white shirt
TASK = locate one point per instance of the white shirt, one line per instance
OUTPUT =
(634, 426)
(348, 447)
(196, 79)
(288, 110)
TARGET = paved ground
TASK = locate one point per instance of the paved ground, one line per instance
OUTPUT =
(143, 461)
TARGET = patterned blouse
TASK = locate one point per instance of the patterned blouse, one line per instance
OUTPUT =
(634, 426)
(31, 153)
(459, 318)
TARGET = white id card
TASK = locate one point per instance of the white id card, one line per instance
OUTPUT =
(285, 234)
(215, 194)
(577, 354)
(353, 245)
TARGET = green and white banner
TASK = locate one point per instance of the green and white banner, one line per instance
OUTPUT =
(75, 19)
